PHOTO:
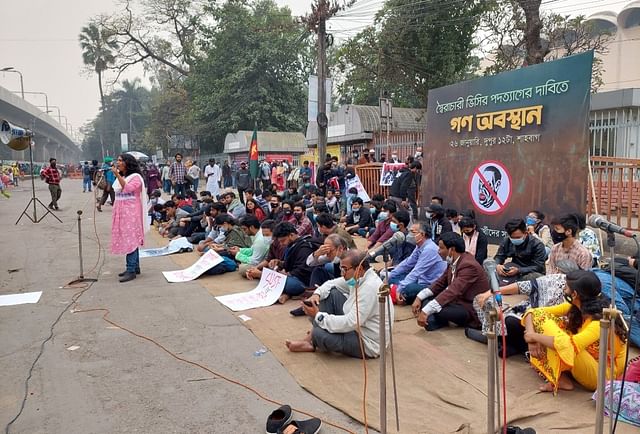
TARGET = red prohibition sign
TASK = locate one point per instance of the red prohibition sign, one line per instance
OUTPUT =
(490, 187)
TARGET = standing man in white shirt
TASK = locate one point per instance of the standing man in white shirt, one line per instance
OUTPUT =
(212, 174)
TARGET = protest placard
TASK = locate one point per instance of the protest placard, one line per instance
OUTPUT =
(265, 294)
(181, 244)
(207, 261)
(362, 193)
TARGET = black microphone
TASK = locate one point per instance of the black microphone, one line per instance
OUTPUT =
(599, 222)
(490, 267)
(396, 239)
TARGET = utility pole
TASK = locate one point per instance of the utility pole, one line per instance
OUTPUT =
(322, 119)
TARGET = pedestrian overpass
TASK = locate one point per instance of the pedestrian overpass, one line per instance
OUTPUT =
(50, 137)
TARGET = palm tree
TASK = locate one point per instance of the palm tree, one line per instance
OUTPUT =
(97, 52)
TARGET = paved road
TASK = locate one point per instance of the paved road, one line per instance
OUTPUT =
(114, 382)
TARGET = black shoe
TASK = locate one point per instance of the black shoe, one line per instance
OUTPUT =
(311, 426)
(127, 277)
(125, 272)
(297, 311)
(475, 335)
(278, 419)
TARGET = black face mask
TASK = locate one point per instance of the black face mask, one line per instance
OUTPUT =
(558, 237)
(288, 212)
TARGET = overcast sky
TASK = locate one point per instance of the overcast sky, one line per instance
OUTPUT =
(40, 39)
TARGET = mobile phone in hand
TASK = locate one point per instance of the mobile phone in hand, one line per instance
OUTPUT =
(308, 303)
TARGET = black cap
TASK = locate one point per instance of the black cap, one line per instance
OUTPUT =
(435, 208)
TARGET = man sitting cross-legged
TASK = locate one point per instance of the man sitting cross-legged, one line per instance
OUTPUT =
(421, 269)
(450, 298)
(333, 309)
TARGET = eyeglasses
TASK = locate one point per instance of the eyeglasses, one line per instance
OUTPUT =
(345, 269)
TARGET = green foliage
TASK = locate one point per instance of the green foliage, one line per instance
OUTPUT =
(254, 70)
(413, 47)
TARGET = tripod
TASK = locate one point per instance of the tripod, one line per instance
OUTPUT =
(34, 200)
(385, 312)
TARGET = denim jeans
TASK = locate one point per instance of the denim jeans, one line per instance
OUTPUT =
(166, 186)
(133, 261)
(293, 286)
(86, 183)
(179, 189)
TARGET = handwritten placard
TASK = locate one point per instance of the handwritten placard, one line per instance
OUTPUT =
(178, 245)
(265, 294)
(207, 261)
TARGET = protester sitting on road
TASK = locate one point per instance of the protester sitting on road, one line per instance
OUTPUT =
(294, 264)
(565, 338)
(301, 221)
(276, 213)
(589, 239)
(438, 222)
(326, 260)
(233, 236)
(359, 220)
(544, 291)
(400, 223)
(527, 254)
(252, 208)
(421, 269)
(337, 327)
(450, 298)
(276, 251)
(173, 214)
(538, 229)
(383, 228)
(567, 246)
(475, 242)
(327, 226)
(234, 206)
(262, 236)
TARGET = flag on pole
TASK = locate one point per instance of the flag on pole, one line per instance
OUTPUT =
(254, 170)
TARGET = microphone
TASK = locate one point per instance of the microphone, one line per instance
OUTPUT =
(490, 268)
(599, 222)
(396, 239)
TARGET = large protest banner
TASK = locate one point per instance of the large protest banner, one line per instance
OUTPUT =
(506, 144)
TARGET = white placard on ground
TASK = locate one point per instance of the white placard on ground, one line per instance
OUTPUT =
(265, 294)
(207, 261)
(174, 246)
(24, 298)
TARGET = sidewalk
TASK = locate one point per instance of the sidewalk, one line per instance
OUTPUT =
(115, 382)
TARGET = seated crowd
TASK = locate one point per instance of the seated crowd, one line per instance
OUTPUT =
(434, 267)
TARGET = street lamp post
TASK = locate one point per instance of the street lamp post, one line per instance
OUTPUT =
(54, 107)
(46, 99)
(12, 69)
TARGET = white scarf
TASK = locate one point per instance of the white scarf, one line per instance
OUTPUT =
(117, 188)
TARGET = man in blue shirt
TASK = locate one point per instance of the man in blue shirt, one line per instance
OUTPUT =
(419, 270)
(109, 178)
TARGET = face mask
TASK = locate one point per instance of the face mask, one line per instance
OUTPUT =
(468, 234)
(411, 239)
(351, 282)
(356, 210)
(428, 214)
(267, 239)
(395, 157)
(568, 297)
(517, 241)
(449, 260)
(394, 227)
(298, 215)
(288, 212)
(531, 221)
(418, 154)
(383, 215)
(558, 237)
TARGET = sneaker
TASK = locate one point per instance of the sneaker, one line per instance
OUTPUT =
(311, 426)
(278, 419)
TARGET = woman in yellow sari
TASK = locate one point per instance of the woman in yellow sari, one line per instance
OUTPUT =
(564, 339)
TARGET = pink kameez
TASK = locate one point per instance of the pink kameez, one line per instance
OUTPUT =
(127, 224)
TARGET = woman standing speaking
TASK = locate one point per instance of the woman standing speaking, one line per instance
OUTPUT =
(129, 222)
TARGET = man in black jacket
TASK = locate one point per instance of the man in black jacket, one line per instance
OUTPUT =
(527, 254)
(294, 264)
(438, 222)
(405, 188)
(359, 220)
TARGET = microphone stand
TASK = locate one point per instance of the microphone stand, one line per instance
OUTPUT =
(607, 343)
(384, 309)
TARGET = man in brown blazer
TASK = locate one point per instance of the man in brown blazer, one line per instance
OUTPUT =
(450, 298)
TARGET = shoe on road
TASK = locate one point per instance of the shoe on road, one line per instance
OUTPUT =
(311, 426)
(125, 272)
(278, 419)
(127, 277)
